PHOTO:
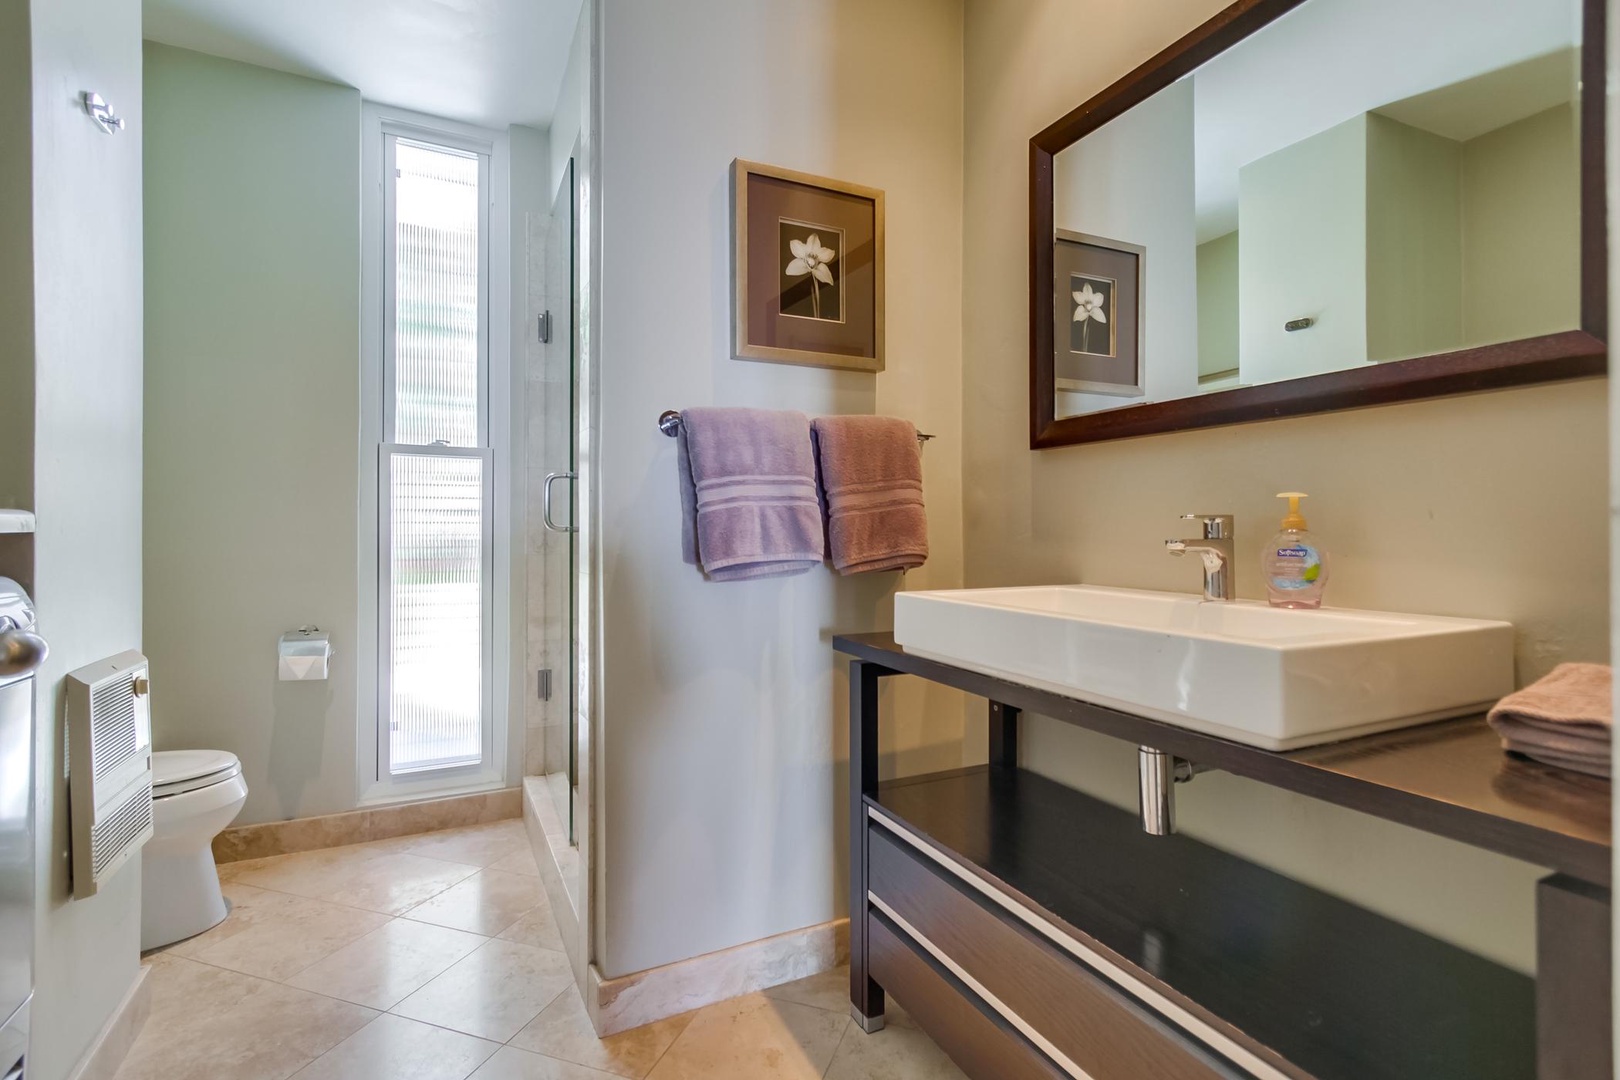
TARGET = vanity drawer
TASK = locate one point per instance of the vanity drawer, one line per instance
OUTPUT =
(981, 1044)
(1055, 998)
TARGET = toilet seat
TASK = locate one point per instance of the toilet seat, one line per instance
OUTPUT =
(175, 772)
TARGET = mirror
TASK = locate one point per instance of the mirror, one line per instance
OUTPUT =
(1286, 213)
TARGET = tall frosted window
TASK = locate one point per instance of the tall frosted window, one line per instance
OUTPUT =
(436, 564)
(436, 296)
(435, 464)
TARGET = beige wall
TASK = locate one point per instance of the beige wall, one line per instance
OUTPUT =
(1521, 229)
(252, 396)
(84, 457)
(1303, 212)
(1490, 505)
(722, 718)
(1218, 305)
(1414, 241)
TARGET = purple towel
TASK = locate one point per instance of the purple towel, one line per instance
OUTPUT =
(748, 493)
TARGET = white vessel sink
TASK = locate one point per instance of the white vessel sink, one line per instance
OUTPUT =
(1270, 677)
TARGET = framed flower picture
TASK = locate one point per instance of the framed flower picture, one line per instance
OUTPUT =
(1098, 334)
(807, 271)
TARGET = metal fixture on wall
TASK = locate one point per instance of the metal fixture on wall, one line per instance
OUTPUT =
(669, 422)
(109, 719)
(101, 112)
(1158, 773)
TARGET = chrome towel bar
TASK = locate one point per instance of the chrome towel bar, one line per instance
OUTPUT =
(669, 422)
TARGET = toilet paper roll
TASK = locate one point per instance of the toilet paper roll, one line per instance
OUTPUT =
(303, 655)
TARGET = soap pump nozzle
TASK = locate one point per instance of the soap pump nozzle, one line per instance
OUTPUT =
(1294, 520)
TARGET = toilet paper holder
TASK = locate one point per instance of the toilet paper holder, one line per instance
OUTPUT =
(304, 655)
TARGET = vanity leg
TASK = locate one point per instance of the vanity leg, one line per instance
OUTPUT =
(1003, 736)
(1573, 1018)
(866, 996)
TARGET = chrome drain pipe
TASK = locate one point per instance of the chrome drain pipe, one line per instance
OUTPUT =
(1158, 773)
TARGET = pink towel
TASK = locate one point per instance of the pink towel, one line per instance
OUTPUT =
(748, 493)
(871, 474)
(1564, 719)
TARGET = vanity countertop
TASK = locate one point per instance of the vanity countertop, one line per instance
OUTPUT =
(1449, 778)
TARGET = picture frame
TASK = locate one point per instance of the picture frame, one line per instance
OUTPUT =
(807, 269)
(1100, 316)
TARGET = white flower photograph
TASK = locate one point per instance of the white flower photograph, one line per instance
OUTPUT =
(1091, 315)
(812, 285)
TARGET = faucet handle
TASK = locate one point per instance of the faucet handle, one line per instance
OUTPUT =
(1216, 526)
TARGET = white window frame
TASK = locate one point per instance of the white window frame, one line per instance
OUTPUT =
(376, 783)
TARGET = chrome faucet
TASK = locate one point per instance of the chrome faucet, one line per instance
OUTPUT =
(1215, 548)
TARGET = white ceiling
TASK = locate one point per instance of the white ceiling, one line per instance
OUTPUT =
(486, 62)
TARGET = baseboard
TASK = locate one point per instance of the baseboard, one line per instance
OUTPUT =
(630, 1001)
(106, 1054)
(359, 826)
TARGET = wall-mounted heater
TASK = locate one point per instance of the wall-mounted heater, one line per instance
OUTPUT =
(109, 729)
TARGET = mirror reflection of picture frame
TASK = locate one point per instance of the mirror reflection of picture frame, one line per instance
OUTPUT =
(1099, 315)
(807, 269)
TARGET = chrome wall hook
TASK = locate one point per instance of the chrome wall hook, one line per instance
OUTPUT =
(101, 112)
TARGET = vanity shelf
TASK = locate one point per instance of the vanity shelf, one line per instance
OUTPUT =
(1037, 932)
(1325, 986)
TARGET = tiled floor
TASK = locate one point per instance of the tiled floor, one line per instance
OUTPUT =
(435, 957)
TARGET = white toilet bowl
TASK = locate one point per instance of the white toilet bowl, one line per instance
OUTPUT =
(195, 794)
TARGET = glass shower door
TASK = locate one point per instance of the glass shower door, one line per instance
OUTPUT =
(559, 434)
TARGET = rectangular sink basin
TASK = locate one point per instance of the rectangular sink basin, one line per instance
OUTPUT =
(1242, 670)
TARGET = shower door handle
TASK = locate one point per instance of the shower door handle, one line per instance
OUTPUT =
(545, 502)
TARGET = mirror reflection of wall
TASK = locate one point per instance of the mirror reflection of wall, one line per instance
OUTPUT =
(1362, 181)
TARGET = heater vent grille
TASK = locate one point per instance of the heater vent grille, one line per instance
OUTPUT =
(114, 738)
(109, 729)
(127, 824)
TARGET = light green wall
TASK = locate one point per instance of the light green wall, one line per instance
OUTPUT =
(1303, 211)
(1218, 305)
(1521, 229)
(1414, 241)
(252, 397)
(85, 262)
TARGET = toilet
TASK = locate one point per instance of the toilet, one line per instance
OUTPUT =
(195, 794)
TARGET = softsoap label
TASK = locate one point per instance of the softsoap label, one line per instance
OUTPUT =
(1301, 567)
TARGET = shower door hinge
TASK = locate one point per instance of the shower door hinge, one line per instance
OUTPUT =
(545, 328)
(545, 684)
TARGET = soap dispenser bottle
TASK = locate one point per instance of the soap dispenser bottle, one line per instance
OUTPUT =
(1294, 565)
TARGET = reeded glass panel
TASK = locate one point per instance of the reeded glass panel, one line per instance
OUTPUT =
(436, 567)
(436, 296)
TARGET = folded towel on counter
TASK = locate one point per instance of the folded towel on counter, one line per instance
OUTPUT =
(748, 493)
(871, 473)
(1564, 719)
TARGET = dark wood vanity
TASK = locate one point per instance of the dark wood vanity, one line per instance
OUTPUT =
(1034, 931)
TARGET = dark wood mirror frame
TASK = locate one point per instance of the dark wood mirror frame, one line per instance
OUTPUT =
(1566, 355)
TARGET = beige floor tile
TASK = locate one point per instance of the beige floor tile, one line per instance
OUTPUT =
(475, 845)
(486, 903)
(895, 1053)
(564, 1031)
(754, 1038)
(360, 876)
(537, 928)
(208, 1023)
(510, 1063)
(493, 992)
(306, 873)
(394, 1048)
(389, 964)
(397, 883)
(828, 990)
(519, 862)
(277, 935)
